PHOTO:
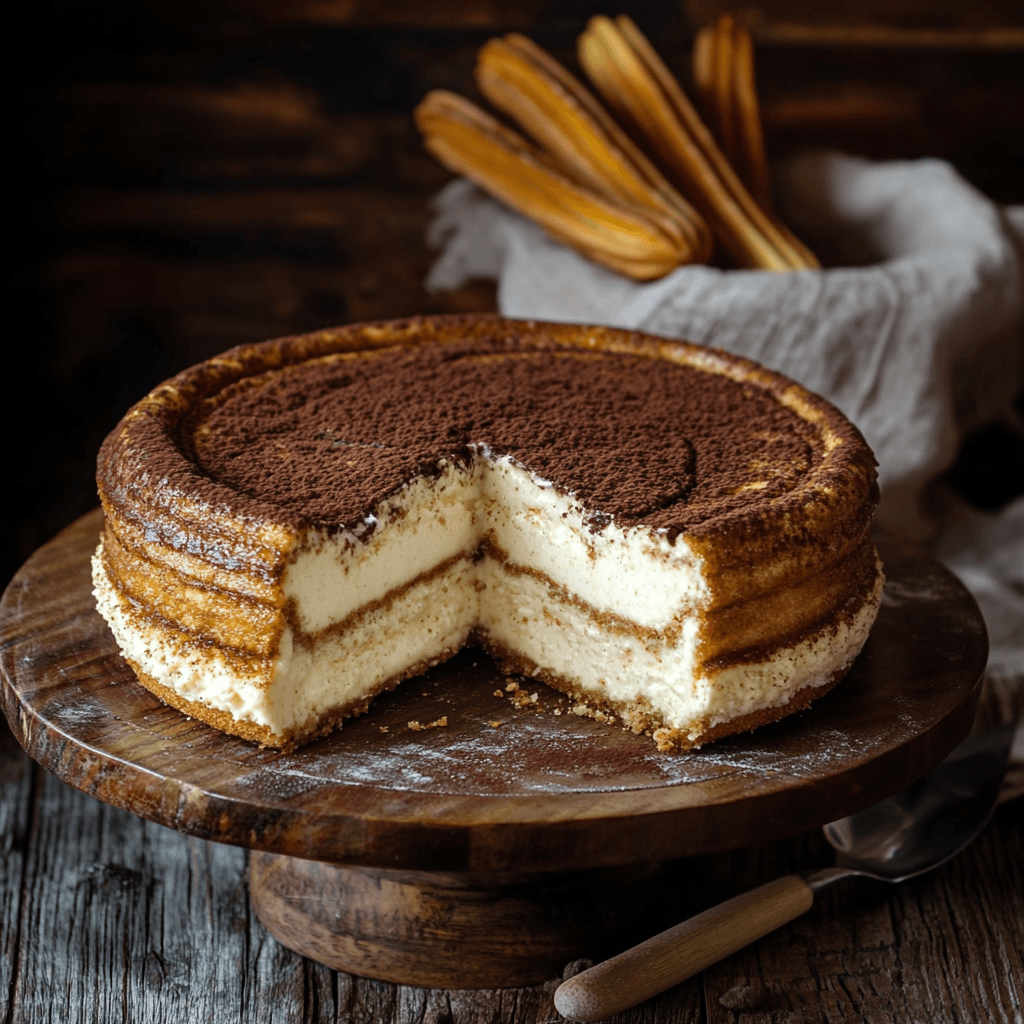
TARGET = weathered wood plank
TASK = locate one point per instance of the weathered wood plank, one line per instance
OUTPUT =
(17, 775)
(291, 260)
(249, 130)
(362, 255)
(394, 14)
(944, 947)
(359, 213)
(404, 13)
(961, 930)
(125, 920)
(912, 23)
(278, 986)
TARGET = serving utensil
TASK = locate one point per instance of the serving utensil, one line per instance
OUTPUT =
(914, 831)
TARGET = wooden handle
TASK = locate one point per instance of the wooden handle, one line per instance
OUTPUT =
(682, 951)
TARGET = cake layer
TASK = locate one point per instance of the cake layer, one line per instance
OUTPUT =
(630, 573)
(284, 699)
(659, 528)
(531, 624)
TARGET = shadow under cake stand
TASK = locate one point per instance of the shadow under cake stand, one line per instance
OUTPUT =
(491, 850)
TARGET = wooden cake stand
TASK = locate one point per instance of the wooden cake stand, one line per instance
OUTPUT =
(491, 850)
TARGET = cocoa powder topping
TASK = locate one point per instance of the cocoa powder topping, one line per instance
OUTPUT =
(634, 438)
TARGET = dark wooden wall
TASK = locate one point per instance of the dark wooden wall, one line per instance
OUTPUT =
(190, 176)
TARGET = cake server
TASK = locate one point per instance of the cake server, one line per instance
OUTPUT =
(912, 832)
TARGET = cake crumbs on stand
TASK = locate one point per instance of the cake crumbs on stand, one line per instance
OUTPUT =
(439, 723)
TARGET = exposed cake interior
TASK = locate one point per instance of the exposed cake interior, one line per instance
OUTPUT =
(596, 516)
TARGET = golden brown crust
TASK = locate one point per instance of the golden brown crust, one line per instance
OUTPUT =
(752, 628)
(207, 613)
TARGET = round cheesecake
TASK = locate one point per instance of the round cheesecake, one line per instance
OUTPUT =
(677, 537)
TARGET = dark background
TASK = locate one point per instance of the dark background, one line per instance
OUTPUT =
(188, 176)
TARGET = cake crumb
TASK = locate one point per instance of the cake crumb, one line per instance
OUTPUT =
(533, 697)
(585, 711)
(439, 723)
(498, 693)
(494, 725)
(384, 728)
(511, 685)
(557, 711)
(664, 738)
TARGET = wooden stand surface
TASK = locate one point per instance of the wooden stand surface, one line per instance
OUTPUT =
(494, 849)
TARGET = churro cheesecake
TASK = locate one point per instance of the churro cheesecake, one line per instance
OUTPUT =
(675, 536)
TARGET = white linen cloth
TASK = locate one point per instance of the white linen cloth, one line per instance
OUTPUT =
(916, 332)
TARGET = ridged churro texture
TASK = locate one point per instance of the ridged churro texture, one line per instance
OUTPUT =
(674, 535)
(643, 186)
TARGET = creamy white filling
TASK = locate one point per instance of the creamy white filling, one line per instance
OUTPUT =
(561, 639)
(435, 615)
(424, 622)
(634, 573)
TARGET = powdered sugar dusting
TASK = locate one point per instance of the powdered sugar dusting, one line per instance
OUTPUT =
(532, 749)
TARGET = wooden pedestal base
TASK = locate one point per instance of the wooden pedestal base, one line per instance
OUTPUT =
(454, 929)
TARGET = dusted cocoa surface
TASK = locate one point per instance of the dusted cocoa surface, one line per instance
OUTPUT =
(317, 429)
(635, 438)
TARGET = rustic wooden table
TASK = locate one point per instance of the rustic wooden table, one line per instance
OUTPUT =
(107, 917)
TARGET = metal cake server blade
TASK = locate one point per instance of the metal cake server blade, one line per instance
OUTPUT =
(914, 831)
